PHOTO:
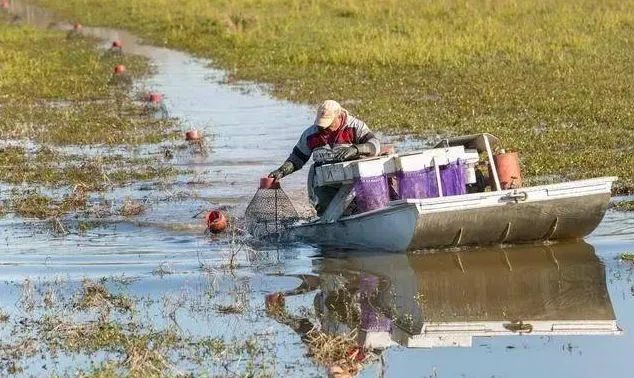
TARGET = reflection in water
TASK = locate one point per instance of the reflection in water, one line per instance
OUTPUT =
(447, 298)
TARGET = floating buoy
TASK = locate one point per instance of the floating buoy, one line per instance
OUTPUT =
(508, 168)
(119, 69)
(77, 27)
(5, 4)
(216, 221)
(155, 98)
(193, 135)
(116, 44)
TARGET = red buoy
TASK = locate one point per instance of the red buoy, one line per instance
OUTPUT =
(509, 171)
(269, 183)
(116, 44)
(155, 98)
(119, 69)
(216, 221)
(5, 4)
(77, 26)
(192, 135)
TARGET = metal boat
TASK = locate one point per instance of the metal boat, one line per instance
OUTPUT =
(567, 210)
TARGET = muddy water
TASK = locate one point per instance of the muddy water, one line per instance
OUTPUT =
(560, 310)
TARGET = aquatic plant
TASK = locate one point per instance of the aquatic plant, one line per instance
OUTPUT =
(627, 256)
(627, 205)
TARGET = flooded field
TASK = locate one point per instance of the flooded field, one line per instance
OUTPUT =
(200, 303)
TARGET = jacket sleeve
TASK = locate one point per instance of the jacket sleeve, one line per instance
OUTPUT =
(301, 152)
(364, 135)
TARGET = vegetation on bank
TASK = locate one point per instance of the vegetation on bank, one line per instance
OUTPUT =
(58, 91)
(627, 205)
(552, 79)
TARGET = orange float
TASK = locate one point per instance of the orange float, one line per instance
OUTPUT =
(119, 69)
(193, 135)
(507, 165)
(216, 221)
(116, 44)
(269, 183)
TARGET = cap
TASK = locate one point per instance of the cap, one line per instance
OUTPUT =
(327, 112)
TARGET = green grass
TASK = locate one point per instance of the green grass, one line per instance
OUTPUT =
(627, 256)
(48, 168)
(55, 91)
(551, 78)
(624, 206)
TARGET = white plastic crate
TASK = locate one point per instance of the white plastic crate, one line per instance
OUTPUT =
(346, 172)
(415, 161)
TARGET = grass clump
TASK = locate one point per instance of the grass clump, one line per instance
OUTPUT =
(107, 122)
(95, 295)
(627, 256)
(556, 89)
(624, 206)
(50, 168)
(4, 317)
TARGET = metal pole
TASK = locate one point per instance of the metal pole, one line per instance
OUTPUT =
(494, 170)
(437, 169)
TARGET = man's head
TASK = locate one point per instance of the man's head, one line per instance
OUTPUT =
(328, 115)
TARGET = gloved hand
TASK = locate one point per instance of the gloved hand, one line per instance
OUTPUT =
(346, 153)
(284, 170)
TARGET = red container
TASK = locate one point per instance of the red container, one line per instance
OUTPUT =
(117, 44)
(508, 167)
(119, 69)
(155, 98)
(269, 183)
(216, 221)
(192, 135)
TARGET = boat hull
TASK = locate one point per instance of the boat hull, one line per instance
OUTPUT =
(550, 212)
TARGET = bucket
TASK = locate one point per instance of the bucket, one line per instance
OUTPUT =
(508, 168)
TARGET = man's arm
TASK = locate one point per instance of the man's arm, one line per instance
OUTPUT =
(366, 142)
(296, 160)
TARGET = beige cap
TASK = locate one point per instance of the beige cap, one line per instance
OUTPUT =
(327, 112)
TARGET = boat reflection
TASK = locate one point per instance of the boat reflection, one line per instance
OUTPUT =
(447, 298)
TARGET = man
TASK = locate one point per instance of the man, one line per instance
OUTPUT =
(345, 137)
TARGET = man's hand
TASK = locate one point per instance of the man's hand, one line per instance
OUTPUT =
(276, 174)
(284, 170)
(346, 153)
